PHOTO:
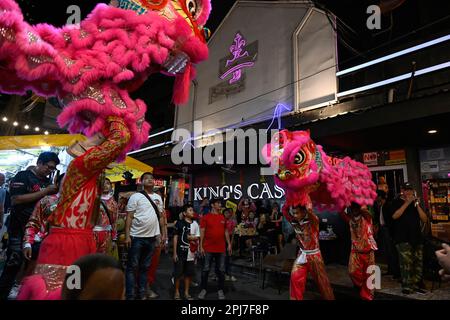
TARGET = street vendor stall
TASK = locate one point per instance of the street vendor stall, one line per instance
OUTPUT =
(18, 152)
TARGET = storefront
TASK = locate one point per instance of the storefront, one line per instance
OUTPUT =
(234, 184)
(435, 173)
(388, 167)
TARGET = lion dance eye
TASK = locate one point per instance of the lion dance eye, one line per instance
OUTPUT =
(300, 157)
(192, 7)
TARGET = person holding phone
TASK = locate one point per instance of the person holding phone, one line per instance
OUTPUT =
(407, 216)
(26, 188)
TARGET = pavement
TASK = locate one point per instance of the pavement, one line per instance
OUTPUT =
(249, 284)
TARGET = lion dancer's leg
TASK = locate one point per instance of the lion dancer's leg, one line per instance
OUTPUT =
(319, 274)
(299, 275)
(359, 262)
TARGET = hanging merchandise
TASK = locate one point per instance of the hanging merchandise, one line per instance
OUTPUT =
(439, 205)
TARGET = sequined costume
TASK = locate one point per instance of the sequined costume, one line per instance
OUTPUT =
(71, 233)
(105, 230)
(309, 259)
(362, 252)
(37, 226)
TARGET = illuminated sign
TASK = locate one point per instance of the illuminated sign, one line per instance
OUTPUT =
(242, 56)
(253, 191)
(237, 63)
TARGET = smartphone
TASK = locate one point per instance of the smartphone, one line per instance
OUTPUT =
(416, 202)
(55, 176)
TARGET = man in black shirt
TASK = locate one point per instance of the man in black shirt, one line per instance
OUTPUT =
(26, 189)
(407, 215)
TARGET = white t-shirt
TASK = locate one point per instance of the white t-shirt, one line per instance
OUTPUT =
(158, 201)
(145, 223)
(195, 231)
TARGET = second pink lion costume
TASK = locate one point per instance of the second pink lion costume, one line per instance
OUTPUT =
(91, 67)
(310, 179)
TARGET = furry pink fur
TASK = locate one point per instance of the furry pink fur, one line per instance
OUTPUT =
(310, 177)
(111, 50)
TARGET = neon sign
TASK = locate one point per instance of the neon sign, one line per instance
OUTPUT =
(239, 61)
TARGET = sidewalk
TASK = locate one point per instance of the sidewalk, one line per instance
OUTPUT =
(343, 286)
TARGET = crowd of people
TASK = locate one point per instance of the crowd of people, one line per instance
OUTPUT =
(206, 235)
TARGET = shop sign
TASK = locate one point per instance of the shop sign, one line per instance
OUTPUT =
(232, 68)
(253, 191)
(444, 165)
(429, 166)
(159, 182)
(394, 162)
(371, 158)
(396, 157)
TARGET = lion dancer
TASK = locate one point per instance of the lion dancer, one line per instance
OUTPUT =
(362, 254)
(71, 234)
(105, 231)
(309, 260)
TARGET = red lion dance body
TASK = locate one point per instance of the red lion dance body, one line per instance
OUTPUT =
(91, 67)
(312, 178)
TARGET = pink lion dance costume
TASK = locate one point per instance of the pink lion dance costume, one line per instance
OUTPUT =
(91, 67)
(312, 178)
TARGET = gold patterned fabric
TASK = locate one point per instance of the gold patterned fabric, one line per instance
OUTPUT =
(53, 275)
(79, 189)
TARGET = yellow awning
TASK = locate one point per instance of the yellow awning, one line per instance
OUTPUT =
(137, 168)
(37, 141)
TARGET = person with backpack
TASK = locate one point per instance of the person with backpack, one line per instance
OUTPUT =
(143, 233)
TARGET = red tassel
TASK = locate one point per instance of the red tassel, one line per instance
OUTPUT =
(181, 86)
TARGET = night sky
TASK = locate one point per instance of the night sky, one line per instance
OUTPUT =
(356, 43)
(54, 12)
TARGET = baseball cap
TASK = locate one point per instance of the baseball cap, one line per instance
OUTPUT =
(407, 186)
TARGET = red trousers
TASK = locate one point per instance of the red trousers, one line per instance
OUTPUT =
(154, 265)
(316, 268)
(357, 269)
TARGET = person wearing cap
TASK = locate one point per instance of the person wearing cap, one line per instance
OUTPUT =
(407, 216)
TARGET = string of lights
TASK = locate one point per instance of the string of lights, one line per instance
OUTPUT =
(25, 126)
